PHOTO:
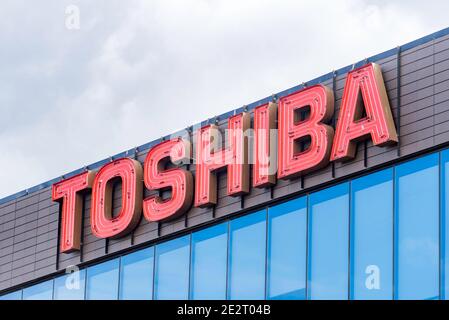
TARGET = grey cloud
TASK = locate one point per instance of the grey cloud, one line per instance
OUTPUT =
(137, 70)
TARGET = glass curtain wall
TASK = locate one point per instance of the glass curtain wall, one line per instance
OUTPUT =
(379, 236)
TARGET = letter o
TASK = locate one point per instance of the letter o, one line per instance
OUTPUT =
(103, 224)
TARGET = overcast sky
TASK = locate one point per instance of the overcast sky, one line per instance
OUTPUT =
(137, 70)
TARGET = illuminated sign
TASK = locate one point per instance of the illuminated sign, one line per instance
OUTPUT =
(300, 141)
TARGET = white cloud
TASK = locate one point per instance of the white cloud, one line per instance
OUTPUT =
(138, 70)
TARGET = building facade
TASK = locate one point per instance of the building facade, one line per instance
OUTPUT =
(370, 228)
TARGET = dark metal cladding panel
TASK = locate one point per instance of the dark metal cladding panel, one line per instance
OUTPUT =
(91, 247)
(29, 224)
(115, 245)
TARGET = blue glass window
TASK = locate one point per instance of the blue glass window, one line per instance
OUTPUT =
(136, 275)
(445, 223)
(372, 237)
(329, 243)
(247, 257)
(70, 286)
(172, 269)
(40, 291)
(209, 258)
(102, 281)
(16, 295)
(417, 232)
(287, 246)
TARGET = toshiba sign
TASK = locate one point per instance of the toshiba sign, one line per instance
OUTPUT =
(289, 138)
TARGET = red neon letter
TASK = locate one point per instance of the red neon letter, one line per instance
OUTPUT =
(264, 157)
(364, 84)
(292, 161)
(178, 180)
(234, 157)
(67, 192)
(103, 224)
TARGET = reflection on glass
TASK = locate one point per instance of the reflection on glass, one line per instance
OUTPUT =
(102, 281)
(16, 295)
(445, 223)
(136, 275)
(287, 239)
(417, 234)
(70, 286)
(209, 257)
(40, 291)
(172, 270)
(247, 257)
(328, 243)
(372, 236)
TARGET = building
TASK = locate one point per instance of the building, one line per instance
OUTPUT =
(373, 227)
